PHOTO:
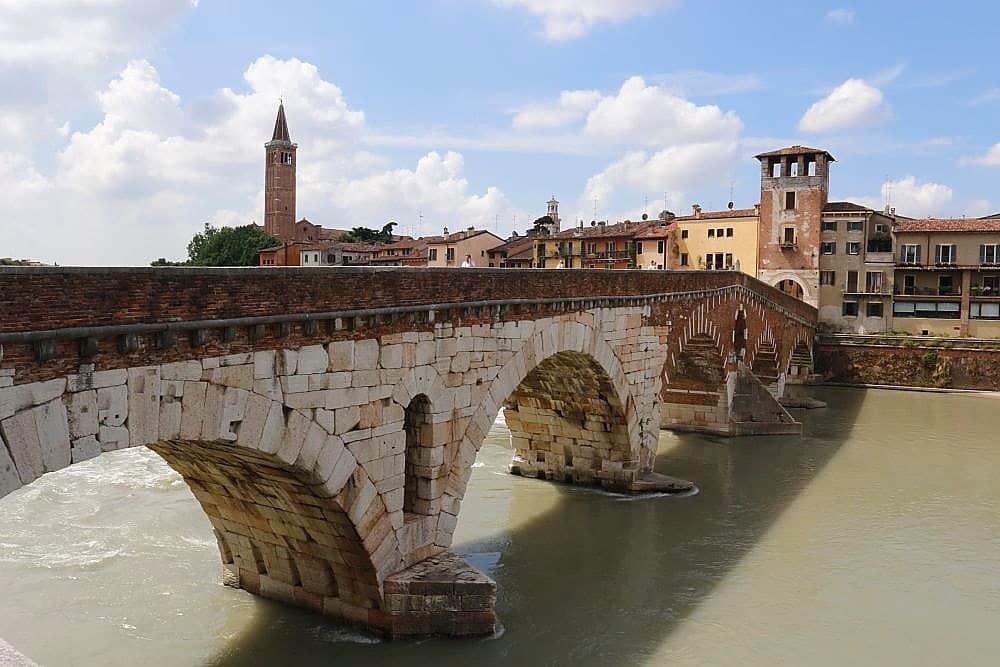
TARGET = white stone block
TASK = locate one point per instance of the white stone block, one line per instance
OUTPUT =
(113, 438)
(270, 387)
(238, 359)
(144, 404)
(331, 451)
(392, 356)
(312, 359)
(112, 405)
(254, 418)
(365, 354)
(341, 354)
(342, 398)
(240, 377)
(286, 361)
(181, 370)
(327, 420)
(311, 446)
(193, 410)
(263, 365)
(347, 419)
(9, 479)
(81, 409)
(21, 434)
(85, 448)
(274, 429)
(234, 409)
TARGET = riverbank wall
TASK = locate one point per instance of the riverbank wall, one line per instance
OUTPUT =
(909, 361)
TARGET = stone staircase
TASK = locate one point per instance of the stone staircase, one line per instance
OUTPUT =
(765, 367)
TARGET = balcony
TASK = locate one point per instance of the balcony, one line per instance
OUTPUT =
(927, 291)
(869, 290)
(786, 244)
(879, 257)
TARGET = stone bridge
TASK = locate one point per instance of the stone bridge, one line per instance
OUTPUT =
(327, 420)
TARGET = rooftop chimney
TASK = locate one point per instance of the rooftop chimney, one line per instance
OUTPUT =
(697, 210)
(446, 231)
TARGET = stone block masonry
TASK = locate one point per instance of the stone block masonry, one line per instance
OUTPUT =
(331, 444)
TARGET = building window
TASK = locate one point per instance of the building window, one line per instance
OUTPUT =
(944, 254)
(853, 247)
(948, 311)
(811, 167)
(711, 233)
(788, 236)
(729, 260)
(829, 225)
(852, 282)
(991, 285)
(789, 201)
(984, 311)
(609, 247)
(449, 255)
(684, 259)
(775, 170)
(659, 247)
(881, 228)
(874, 309)
(828, 248)
(827, 277)
(850, 309)
(909, 253)
(873, 282)
(638, 247)
(729, 232)
(946, 285)
(855, 226)
(684, 233)
(989, 254)
(909, 284)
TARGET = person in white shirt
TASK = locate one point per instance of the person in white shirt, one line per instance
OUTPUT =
(467, 262)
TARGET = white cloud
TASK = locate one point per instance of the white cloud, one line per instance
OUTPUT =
(573, 105)
(854, 103)
(140, 182)
(991, 158)
(911, 198)
(569, 19)
(991, 96)
(79, 33)
(674, 170)
(650, 115)
(840, 16)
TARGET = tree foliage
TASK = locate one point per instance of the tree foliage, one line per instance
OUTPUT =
(224, 246)
(366, 235)
(539, 228)
(7, 261)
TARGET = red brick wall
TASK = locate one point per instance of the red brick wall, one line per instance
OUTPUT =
(55, 298)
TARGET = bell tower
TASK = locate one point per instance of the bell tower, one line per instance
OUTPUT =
(279, 181)
(552, 211)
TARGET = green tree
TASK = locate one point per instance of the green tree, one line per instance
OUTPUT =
(366, 235)
(7, 261)
(226, 246)
(538, 228)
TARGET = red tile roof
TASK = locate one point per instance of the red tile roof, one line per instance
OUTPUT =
(719, 215)
(966, 225)
(658, 232)
(843, 207)
(795, 150)
(600, 231)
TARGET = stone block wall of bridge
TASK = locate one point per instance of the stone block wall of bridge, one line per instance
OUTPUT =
(327, 420)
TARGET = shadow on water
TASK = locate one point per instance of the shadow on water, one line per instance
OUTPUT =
(598, 579)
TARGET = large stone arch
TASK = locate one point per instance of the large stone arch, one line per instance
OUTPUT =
(586, 344)
(775, 279)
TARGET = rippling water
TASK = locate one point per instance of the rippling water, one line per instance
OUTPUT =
(873, 540)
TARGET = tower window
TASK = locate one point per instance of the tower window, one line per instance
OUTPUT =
(789, 201)
(776, 169)
(793, 169)
(811, 167)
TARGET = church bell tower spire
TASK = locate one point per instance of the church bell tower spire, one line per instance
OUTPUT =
(279, 180)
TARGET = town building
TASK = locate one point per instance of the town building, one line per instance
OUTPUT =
(452, 249)
(337, 254)
(947, 277)
(515, 253)
(598, 246)
(405, 252)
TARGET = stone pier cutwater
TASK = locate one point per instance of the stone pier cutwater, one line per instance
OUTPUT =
(331, 447)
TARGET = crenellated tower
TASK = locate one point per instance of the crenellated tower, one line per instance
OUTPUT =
(279, 181)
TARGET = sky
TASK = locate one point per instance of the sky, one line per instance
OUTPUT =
(126, 126)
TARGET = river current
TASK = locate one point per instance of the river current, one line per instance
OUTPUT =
(872, 540)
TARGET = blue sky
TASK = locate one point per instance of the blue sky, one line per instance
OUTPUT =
(134, 125)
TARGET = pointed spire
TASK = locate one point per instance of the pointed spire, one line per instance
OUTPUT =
(281, 125)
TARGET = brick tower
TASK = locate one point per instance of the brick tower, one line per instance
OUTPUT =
(794, 186)
(279, 181)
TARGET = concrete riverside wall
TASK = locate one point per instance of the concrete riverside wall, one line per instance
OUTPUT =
(919, 363)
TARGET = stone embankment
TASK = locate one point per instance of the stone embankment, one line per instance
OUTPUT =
(910, 361)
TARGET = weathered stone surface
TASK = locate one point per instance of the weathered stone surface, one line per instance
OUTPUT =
(144, 404)
(9, 479)
(21, 434)
(112, 405)
(312, 359)
(81, 408)
(85, 448)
